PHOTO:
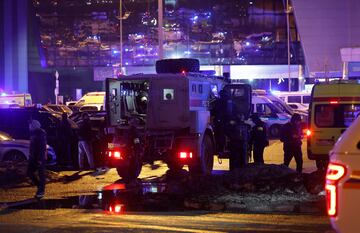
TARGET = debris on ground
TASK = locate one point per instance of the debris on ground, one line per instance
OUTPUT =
(13, 173)
(266, 187)
(254, 187)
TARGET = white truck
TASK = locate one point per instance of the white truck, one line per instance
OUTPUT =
(166, 116)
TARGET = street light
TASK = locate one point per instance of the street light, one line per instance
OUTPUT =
(288, 40)
(56, 91)
(160, 29)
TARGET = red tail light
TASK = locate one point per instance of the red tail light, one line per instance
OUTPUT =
(334, 174)
(334, 102)
(115, 154)
(116, 208)
(185, 155)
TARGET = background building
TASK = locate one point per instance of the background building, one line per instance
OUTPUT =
(81, 40)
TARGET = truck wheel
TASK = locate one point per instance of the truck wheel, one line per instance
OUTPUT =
(204, 164)
(132, 171)
(321, 164)
(275, 131)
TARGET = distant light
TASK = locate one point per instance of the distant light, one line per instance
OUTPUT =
(247, 43)
(251, 2)
(3, 94)
(334, 102)
(251, 79)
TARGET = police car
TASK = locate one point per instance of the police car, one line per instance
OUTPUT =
(18, 150)
(343, 181)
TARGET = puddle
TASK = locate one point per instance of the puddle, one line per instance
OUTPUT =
(114, 198)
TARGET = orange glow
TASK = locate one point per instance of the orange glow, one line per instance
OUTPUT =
(331, 198)
(333, 175)
(335, 172)
(308, 132)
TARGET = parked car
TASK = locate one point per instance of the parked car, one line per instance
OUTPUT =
(270, 114)
(18, 150)
(14, 121)
(91, 107)
(94, 98)
(58, 108)
(299, 107)
(343, 181)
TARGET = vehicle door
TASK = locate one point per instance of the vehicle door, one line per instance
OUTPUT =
(241, 96)
(168, 103)
(113, 101)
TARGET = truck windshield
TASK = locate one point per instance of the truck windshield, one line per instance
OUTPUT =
(336, 115)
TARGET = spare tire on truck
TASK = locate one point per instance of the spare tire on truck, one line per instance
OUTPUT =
(176, 66)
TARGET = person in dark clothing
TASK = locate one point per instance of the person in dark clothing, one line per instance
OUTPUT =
(291, 137)
(85, 135)
(258, 139)
(221, 118)
(238, 132)
(37, 157)
(65, 136)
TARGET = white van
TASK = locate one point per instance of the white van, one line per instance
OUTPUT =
(22, 100)
(284, 107)
(300, 97)
(93, 100)
(269, 113)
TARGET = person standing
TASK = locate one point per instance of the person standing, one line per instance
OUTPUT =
(84, 144)
(258, 139)
(65, 136)
(221, 117)
(291, 137)
(37, 157)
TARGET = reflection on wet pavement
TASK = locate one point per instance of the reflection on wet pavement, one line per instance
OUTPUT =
(116, 198)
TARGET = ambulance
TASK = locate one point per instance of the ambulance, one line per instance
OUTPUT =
(334, 106)
(21, 100)
(343, 181)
